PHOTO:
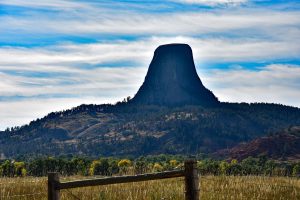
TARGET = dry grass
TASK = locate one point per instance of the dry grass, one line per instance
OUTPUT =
(212, 187)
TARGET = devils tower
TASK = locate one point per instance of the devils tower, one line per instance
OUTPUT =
(172, 80)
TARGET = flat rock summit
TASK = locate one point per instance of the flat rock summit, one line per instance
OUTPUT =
(172, 80)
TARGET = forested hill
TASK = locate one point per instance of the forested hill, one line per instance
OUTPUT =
(128, 129)
(283, 145)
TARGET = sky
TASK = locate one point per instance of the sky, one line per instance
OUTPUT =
(58, 54)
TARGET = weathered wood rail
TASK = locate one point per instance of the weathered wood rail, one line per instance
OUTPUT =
(190, 173)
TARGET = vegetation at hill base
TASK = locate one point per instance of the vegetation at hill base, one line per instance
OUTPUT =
(115, 166)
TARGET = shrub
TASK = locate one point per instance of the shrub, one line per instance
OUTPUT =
(157, 167)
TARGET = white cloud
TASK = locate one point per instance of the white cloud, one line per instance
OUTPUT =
(101, 82)
(18, 113)
(96, 21)
(65, 76)
(101, 85)
(276, 83)
(273, 83)
(219, 35)
(215, 50)
(213, 2)
(76, 72)
(54, 4)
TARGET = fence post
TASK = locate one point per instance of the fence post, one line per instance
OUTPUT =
(53, 191)
(191, 180)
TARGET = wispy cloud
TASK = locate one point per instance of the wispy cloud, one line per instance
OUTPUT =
(17, 113)
(57, 4)
(43, 58)
(23, 99)
(213, 2)
(101, 82)
(215, 50)
(257, 21)
(83, 69)
(276, 83)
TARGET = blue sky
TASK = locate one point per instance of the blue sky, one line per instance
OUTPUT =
(58, 54)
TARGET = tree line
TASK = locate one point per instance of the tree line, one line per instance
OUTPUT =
(108, 166)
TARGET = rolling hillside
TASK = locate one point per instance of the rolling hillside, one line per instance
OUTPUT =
(126, 129)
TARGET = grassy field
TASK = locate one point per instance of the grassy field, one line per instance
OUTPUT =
(212, 187)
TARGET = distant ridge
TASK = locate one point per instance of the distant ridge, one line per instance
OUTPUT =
(172, 80)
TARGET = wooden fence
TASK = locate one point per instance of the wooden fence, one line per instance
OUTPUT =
(190, 173)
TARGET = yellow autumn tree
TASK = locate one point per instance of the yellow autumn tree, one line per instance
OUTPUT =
(124, 165)
(157, 167)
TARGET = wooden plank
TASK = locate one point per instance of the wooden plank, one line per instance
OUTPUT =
(191, 180)
(53, 182)
(121, 179)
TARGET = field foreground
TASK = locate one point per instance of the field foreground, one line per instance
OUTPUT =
(211, 187)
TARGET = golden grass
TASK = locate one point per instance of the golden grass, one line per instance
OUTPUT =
(212, 187)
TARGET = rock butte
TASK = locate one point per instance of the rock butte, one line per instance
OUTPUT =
(172, 80)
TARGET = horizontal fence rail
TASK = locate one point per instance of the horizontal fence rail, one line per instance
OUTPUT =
(190, 173)
(120, 179)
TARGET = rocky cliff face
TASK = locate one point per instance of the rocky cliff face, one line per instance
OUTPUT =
(172, 80)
